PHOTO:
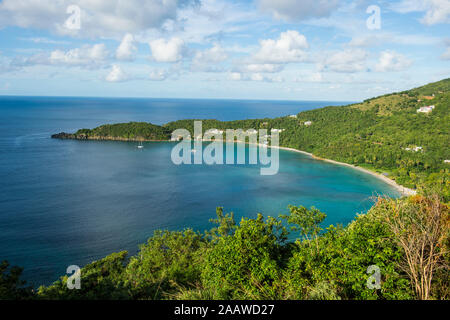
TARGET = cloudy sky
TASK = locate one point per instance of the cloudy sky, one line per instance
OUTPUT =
(254, 49)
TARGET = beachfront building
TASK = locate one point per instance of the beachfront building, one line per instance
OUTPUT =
(252, 131)
(426, 109)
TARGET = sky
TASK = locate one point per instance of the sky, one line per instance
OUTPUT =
(256, 49)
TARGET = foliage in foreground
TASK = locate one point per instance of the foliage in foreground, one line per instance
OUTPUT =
(257, 259)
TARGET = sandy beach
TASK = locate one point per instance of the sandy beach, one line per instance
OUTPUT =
(403, 190)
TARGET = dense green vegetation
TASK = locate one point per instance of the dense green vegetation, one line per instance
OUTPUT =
(406, 239)
(255, 260)
(128, 131)
(374, 134)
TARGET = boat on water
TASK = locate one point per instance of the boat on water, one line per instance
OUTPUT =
(140, 145)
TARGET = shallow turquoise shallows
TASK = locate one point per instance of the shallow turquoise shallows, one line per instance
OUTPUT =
(70, 202)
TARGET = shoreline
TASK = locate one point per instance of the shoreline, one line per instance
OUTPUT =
(404, 191)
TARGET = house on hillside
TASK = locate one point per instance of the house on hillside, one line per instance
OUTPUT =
(426, 109)
(293, 116)
(415, 149)
(307, 123)
(215, 131)
(277, 130)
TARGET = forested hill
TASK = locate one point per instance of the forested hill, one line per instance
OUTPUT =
(385, 134)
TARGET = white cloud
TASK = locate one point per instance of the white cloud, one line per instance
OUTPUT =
(167, 50)
(43, 40)
(392, 61)
(92, 56)
(295, 10)
(116, 74)
(288, 48)
(207, 60)
(259, 77)
(127, 48)
(235, 76)
(98, 17)
(265, 67)
(347, 61)
(436, 11)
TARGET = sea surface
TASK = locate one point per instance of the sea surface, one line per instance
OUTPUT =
(70, 202)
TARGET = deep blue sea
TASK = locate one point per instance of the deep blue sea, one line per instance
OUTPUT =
(70, 202)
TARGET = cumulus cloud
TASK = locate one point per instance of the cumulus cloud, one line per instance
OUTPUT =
(294, 10)
(98, 18)
(436, 11)
(208, 60)
(289, 47)
(116, 74)
(167, 50)
(392, 61)
(127, 48)
(347, 61)
(92, 56)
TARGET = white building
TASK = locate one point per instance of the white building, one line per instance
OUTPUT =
(252, 131)
(293, 116)
(307, 123)
(446, 161)
(277, 130)
(426, 109)
(215, 131)
(415, 149)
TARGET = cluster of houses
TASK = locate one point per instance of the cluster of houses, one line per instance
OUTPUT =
(426, 109)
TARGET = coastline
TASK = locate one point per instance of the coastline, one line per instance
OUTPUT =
(403, 190)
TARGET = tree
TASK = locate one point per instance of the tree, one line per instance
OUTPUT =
(421, 228)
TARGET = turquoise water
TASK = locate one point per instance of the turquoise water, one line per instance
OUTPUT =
(70, 202)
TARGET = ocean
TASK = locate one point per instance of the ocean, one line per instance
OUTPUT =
(71, 202)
